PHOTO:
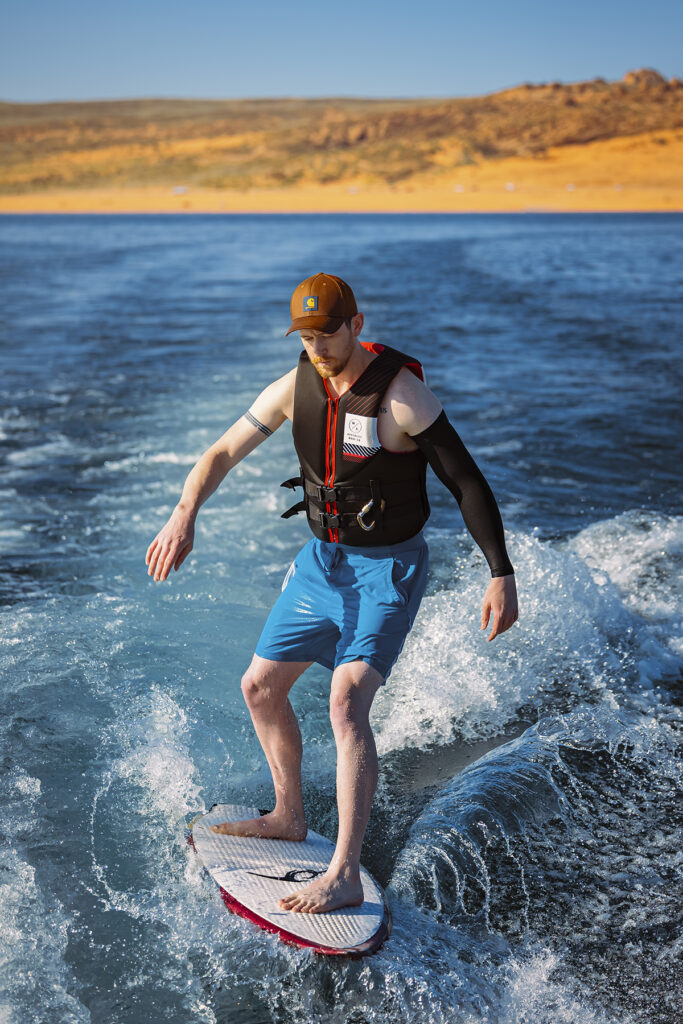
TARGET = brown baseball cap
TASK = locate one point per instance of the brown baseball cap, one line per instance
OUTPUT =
(322, 302)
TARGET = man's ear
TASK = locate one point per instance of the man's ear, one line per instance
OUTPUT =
(357, 324)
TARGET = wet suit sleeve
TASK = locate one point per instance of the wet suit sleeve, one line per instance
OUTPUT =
(455, 467)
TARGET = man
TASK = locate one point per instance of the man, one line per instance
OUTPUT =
(365, 426)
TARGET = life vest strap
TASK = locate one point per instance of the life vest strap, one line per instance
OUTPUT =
(342, 520)
(294, 510)
(347, 492)
(293, 482)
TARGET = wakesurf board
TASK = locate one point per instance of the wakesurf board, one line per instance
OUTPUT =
(253, 874)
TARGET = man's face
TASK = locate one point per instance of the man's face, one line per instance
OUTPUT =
(329, 353)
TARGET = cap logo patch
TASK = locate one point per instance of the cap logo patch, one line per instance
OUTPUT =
(310, 303)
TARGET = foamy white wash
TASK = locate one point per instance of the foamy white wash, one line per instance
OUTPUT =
(34, 928)
(577, 632)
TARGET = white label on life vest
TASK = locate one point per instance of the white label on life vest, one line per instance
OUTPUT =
(361, 431)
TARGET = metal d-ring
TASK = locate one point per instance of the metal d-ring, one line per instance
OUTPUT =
(363, 512)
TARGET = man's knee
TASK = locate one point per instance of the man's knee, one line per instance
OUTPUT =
(267, 682)
(262, 689)
(343, 708)
(255, 688)
(353, 687)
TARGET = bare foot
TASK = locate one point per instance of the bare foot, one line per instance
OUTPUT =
(327, 893)
(268, 826)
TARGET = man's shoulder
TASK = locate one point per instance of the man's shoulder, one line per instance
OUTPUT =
(405, 384)
(413, 405)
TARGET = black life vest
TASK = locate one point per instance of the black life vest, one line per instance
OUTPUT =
(355, 491)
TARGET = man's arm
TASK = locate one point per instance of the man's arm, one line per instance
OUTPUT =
(173, 543)
(457, 470)
(419, 414)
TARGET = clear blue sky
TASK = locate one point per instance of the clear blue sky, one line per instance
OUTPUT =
(95, 49)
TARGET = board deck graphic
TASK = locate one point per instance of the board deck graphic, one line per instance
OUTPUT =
(253, 874)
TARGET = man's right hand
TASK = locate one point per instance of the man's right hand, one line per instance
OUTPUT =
(171, 546)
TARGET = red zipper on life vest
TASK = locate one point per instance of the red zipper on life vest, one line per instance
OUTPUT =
(333, 471)
(330, 455)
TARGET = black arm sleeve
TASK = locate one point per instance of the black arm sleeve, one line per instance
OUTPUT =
(456, 468)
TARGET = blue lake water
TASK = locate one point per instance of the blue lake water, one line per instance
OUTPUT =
(527, 821)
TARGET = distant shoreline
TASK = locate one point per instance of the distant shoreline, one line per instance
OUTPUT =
(8, 214)
(284, 202)
(628, 174)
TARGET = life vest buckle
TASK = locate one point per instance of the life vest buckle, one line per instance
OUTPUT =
(328, 520)
(319, 493)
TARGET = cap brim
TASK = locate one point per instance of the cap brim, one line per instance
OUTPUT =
(328, 324)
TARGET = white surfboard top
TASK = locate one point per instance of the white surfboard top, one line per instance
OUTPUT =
(243, 867)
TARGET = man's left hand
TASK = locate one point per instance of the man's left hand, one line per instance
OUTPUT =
(501, 599)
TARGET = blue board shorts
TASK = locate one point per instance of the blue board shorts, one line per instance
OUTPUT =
(344, 603)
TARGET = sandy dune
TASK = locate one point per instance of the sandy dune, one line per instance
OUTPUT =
(643, 172)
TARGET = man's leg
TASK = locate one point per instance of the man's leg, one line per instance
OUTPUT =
(265, 686)
(354, 685)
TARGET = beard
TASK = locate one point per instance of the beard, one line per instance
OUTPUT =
(330, 367)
